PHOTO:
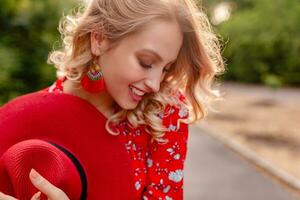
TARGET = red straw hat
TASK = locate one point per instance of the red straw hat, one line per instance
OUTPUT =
(56, 164)
(64, 138)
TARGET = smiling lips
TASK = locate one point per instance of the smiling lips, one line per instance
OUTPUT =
(136, 93)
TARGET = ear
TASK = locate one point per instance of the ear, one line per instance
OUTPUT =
(99, 44)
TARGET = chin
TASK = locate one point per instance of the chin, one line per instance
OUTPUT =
(127, 105)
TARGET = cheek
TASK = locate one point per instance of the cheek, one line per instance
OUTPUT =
(121, 66)
(130, 71)
(121, 73)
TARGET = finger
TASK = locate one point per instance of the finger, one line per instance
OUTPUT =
(46, 187)
(36, 196)
(6, 197)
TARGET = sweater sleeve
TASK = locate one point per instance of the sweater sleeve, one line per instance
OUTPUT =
(165, 162)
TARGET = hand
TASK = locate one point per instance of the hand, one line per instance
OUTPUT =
(52, 192)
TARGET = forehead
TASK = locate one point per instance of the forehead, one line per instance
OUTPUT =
(163, 37)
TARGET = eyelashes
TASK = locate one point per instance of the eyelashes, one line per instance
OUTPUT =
(145, 66)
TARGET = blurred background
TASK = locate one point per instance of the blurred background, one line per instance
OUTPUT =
(28, 31)
(261, 40)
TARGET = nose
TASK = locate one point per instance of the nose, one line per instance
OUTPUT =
(153, 83)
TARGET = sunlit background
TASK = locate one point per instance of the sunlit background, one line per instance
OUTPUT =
(260, 38)
(261, 46)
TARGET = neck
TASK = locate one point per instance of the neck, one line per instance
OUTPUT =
(102, 100)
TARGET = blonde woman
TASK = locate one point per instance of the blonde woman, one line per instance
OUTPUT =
(148, 67)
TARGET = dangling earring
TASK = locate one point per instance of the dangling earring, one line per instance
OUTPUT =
(93, 80)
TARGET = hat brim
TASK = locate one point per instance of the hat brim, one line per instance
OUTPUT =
(55, 163)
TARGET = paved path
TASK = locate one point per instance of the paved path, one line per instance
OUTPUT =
(286, 94)
(213, 172)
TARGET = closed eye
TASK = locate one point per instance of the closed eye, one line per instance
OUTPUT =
(150, 66)
(145, 66)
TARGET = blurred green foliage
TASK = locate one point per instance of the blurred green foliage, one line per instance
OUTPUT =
(262, 41)
(28, 30)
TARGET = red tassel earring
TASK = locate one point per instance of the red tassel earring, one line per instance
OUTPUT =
(93, 80)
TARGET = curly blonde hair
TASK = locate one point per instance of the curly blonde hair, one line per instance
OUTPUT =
(193, 74)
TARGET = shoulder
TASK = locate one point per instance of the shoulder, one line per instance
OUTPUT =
(176, 110)
(175, 121)
(174, 115)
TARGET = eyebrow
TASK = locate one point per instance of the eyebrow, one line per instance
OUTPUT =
(156, 54)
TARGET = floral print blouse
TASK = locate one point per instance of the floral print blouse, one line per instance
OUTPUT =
(157, 168)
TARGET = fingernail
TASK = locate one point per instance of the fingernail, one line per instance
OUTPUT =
(38, 196)
(34, 174)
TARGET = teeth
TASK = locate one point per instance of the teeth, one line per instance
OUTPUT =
(136, 91)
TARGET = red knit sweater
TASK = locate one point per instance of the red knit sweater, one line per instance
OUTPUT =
(157, 168)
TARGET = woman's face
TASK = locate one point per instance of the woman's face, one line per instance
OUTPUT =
(140, 61)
